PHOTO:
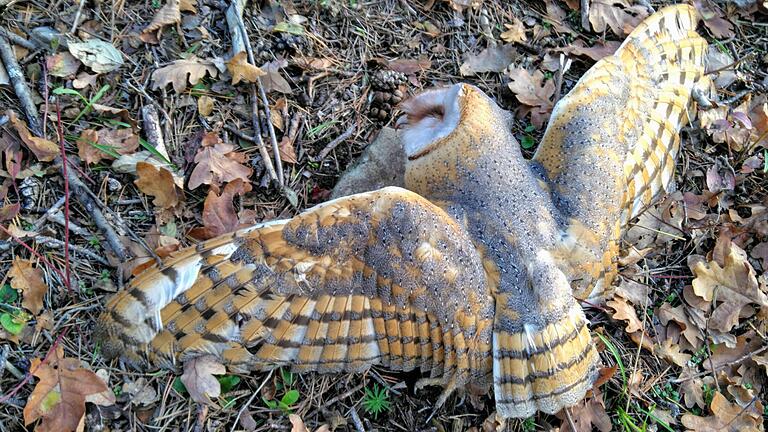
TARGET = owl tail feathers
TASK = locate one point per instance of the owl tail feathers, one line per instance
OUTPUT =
(543, 369)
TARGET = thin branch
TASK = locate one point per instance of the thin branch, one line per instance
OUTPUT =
(336, 141)
(20, 87)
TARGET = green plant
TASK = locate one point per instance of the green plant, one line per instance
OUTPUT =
(88, 102)
(529, 424)
(290, 396)
(376, 401)
(527, 141)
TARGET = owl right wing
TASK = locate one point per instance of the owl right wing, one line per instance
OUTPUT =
(384, 277)
(610, 147)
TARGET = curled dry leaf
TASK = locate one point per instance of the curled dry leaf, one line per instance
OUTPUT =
(297, 425)
(157, 182)
(731, 287)
(241, 70)
(59, 397)
(180, 72)
(62, 64)
(515, 32)
(29, 280)
(219, 215)
(557, 17)
(616, 14)
(100, 56)
(198, 378)
(273, 80)
(727, 417)
(492, 59)
(218, 163)
(169, 14)
(588, 415)
(625, 312)
(205, 105)
(532, 91)
(671, 351)
(43, 149)
(595, 52)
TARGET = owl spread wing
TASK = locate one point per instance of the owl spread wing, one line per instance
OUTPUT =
(382, 278)
(610, 147)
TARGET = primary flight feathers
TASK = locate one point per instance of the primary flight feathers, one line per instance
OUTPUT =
(469, 275)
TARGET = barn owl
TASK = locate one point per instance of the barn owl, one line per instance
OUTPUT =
(471, 272)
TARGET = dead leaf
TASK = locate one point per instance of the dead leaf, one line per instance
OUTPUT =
(515, 32)
(180, 72)
(219, 214)
(297, 425)
(141, 391)
(84, 79)
(205, 105)
(287, 152)
(713, 20)
(625, 312)
(241, 70)
(557, 17)
(59, 397)
(62, 65)
(100, 56)
(198, 378)
(169, 14)
(273, 80)
(86, 148)
(671, 351)
(121, 141)
(30, 281)
(588, 415)
(492, 59)
(43, 149)
(727, 417)
(409, 66)
(616, 14)
(217, 163)
(531, 90)
(732, 287)
(595, 52)
(691, 388)
(157, 182)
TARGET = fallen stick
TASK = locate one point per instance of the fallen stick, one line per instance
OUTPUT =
(20, 87)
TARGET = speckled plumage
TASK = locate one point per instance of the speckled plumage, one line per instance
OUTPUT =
(469, 275)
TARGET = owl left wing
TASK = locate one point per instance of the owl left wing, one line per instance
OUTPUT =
(384, 277)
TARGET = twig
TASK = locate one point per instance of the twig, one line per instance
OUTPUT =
(585, 14)
(151, 123)
(93, 207)
(356, 420)
(253, 396)
(77, 16)
(332, 145)
(730, 65)
(20, 87)
(52, 242)
(740, 360)
(60, 219)
(60, 130)
(54, 209)
(17, 40)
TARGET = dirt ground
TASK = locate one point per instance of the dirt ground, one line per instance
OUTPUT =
(335, 72)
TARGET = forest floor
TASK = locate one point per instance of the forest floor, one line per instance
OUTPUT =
(683, 339)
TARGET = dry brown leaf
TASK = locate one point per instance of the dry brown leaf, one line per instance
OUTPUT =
(531, 90)
(732, 287)
(727, 417)
(557, 17)
(122, 141)
(43, 149)
(166, 15)
(616, 14)
(273, 80)
(157, 182)
(62, 64)
(198, 378)
(219, 214)
(667, 313)
(409, 66)
(588, 415)
(205, 105)
(492, 59)
(714, 21)
(29, 280)
(59, 397)
(515, 32)
(217, 163)
(671, 351)
(625, 312)
(181, 72)
(297, 425)
(286, 150)
(84, 79)
(86, 149)
(595, 52)
(187, 6)
(241, 70)
(100, 56)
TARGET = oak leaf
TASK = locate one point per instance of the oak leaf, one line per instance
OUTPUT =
(198, 378)
(731, 287)
(241, 70)
(43, 149)
(588, 415)
(515, 32)
(86, 148)
(532, 91)
(616, 14)
(217, 163)
(219, 214)
(157, 182)
(727, 417)
(625, 312)
(671, 351)
(29, 280)
(273, 80)
(180, 72)
(169, 14)
(59, 397)
(492, 59)
(116, 141)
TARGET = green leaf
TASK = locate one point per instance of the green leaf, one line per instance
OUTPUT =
(179, 386)
(270, 403)
(8, 294)
(228, 382)
(288, 27)
(287, 377)
(11, 324)
(65, 91)
(527, 142)
(530, 128)
(148, 147)
(290, 397)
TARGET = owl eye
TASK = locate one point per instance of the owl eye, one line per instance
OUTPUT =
(428, 118)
